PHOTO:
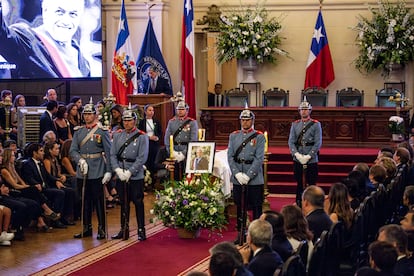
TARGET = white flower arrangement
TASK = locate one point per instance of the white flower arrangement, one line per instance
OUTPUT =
(249, 33)
(396, 125)
(387, 38)
(192, 203)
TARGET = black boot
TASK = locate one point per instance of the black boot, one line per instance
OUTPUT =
(141, 234)
(86, 232)
(122, 234)
(101, 232)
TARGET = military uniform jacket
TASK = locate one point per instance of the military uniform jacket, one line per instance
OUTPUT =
(134, 156)
(188, 134)
(250, 159)
(311, 140)
(95, 151)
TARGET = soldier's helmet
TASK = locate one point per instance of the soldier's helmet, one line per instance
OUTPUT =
(246, 114)
(182, 105)
(89, 108)
(128, 115)
(305, 104)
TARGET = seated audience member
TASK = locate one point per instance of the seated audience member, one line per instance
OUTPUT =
(408, 197)
(297, 229)
(49, 137)
(390, 167)
(36, 175)
(377, 175)
(396, 236)
(231, 249)
(25, 212)
(354, 191)
(339, 208)
(382, 259)
(280, 243)
(221, 264)
(5, 217)
(265, 261)
(13, 181)
(364, 169)
(384, 152)
(313, 199)
(402, 159)
(407, 223)
(52, 166)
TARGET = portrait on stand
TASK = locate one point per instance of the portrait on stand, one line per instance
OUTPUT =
(200, 157)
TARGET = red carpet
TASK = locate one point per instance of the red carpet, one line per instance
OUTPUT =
(164, 253)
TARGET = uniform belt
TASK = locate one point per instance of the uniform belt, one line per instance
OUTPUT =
(305, 144)
(242, 161)
(126, 159)
(91, 155)
(181, 143)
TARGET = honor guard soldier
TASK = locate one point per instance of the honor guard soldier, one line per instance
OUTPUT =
(305, 140)
(245, 156)
(129, 153)
(89, 146)
(183, 129)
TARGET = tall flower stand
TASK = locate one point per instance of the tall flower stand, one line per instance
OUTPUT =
(249, 66)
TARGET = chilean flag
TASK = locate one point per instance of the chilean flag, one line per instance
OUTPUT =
(124, 72)
(319, 70)
(187, 57)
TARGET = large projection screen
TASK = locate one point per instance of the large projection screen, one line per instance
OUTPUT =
(50, 39)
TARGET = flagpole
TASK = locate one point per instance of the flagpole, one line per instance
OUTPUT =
(149, 8)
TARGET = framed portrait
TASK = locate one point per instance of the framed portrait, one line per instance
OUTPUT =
(200, 157)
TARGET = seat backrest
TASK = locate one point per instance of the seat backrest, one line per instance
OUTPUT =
(293, 267)
(276, 97)
(237, 97)
(302, 251)
(349, 97)
(383, 95)
(316, 96)
(334, 247)
(317, 263)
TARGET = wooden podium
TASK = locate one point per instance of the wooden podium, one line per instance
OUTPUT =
(163, 107)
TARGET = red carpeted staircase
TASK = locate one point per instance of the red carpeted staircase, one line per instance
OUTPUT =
(334, 164)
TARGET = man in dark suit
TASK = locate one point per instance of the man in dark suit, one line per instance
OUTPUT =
(216, 98)
(46, 120)
(155, 84)
(265, 261)
(35, 174)
(199, 162)
(312, 208)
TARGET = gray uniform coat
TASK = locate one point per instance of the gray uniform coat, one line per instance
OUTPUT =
(311, 140)
(95, 151)
(134, 155)
(188, 134)
(253, 152)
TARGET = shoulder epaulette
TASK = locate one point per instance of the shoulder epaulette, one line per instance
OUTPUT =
(259, 132)
(297, 121)
(77, 127)
(315, 121)
(236, 131)
(141, 132)
(189, 118)
(119, 130)
(173, 118)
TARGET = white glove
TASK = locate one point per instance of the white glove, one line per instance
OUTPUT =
(107, 176)
(179, 156)
(127, 174)
(246, 178)
(240, 178)
(83, 166)
(307, 157)
(298, 155)
(120, 173)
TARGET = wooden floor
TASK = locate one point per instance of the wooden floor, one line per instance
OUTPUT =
(41, 250)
